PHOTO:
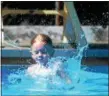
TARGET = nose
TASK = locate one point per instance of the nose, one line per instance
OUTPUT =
(39, 54)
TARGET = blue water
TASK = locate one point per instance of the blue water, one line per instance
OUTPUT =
(93, 80)
(86, 80)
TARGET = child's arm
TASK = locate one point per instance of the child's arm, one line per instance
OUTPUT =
(63, 75)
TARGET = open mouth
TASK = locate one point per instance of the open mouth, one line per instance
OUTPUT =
(39, 58)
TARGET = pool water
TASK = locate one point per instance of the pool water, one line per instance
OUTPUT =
(93, 80)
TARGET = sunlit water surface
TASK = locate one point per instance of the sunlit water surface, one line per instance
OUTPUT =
(89, 80)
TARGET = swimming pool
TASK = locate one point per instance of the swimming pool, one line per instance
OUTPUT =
(93, 81)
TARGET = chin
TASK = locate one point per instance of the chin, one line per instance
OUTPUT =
(42, 61)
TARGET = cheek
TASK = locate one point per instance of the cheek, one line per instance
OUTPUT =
(34, 56)
(46, 56)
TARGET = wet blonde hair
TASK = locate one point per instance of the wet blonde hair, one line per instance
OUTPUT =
(45, 38)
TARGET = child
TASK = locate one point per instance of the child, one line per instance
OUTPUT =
(42, 51)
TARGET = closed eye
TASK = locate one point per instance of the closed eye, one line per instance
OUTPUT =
(36, 52)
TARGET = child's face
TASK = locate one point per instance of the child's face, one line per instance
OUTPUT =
(39, 52)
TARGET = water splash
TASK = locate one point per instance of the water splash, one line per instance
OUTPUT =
(49, 77)
(98, 83)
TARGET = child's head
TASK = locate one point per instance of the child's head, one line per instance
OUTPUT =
(41, 40)
(42, 46)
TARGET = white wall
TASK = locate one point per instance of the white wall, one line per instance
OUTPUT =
(23, 34)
